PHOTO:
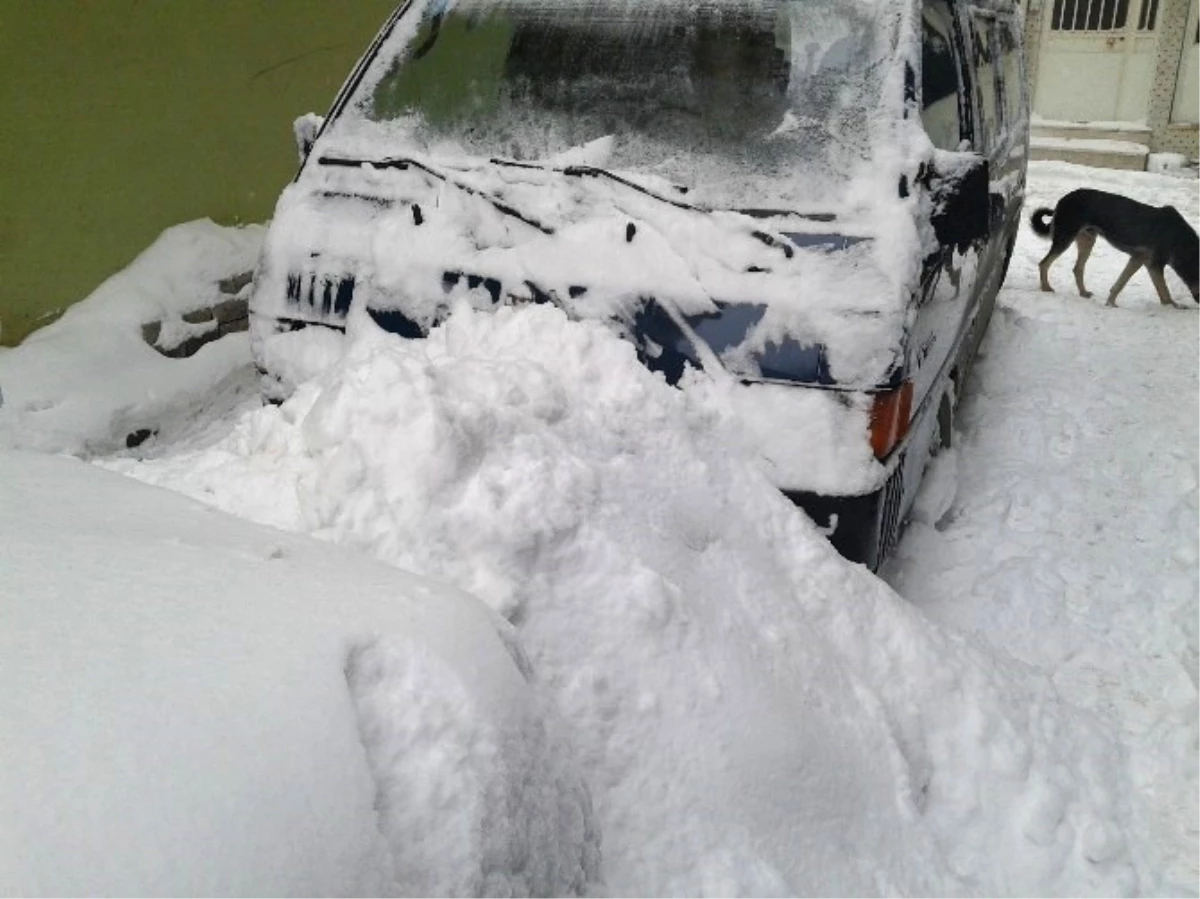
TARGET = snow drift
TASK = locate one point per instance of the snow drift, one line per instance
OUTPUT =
(83, 383)
(194, 705)
(753, 714)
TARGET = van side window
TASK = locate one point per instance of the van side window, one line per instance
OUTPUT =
(1010, 60)
(987, 91)
(939, 76)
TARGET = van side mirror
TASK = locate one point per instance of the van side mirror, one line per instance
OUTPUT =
(306, 128)
(958, 188)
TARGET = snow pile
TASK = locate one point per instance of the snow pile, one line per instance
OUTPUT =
(194, 705)
(1168, 164)
(83, 383)
(753, 714)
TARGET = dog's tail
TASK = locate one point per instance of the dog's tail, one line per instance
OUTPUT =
(1041, 227)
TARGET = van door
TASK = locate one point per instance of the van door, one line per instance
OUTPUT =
(948, 276)
(990, 132)
(1014, 87)
(1001, 135)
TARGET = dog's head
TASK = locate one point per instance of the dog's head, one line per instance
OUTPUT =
(1187, 264)
(1192, 279)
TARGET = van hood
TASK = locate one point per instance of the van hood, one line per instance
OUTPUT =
(802, 297)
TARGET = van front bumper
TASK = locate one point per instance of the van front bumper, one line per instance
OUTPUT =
(862, 528)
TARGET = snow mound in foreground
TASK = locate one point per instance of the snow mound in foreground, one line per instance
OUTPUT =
(754, 714)
(194, 705)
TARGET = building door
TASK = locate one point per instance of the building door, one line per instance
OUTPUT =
(1187, 95)
(1096, 61)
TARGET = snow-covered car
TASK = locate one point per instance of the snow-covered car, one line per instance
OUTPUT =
(814, 202)
(196, 705)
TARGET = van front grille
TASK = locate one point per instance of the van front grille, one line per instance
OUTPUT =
(889, 514)
(322, 295)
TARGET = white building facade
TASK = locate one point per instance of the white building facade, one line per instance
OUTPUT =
(1116, 77)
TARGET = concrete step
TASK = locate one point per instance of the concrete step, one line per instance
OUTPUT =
(1099, 152)
(1128, 132)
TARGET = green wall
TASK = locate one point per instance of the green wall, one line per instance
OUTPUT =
(123, 117)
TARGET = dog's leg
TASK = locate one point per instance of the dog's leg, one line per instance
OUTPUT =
(1135, 262)
(1044, 269)
(1160, 284)
(1085, 241)
(1058, 246)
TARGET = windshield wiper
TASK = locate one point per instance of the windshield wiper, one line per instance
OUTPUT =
(597, 172)
(572, 171)
(581, 171)
(591, 171)
(404, 163)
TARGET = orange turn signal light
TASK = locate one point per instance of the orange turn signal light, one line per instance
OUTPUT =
(890, 413)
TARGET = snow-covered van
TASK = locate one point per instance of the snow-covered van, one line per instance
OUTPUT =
(814, 201)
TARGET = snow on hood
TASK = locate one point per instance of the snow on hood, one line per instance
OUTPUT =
(754, 714)
(598, 248)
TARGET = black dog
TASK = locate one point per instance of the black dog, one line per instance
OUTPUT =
(1152, 236)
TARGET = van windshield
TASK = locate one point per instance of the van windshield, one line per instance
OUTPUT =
(745, 103)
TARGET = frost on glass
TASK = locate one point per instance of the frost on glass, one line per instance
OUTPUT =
(742, 102)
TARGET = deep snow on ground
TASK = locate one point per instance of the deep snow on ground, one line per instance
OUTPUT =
(1063, 531)
(752, 711)
(752, 714)
(195, 705)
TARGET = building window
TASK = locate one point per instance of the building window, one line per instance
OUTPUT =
(1148, 16)
(1091, 15)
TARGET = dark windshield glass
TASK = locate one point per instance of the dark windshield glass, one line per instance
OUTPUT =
(718, 80)
(717, 95)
